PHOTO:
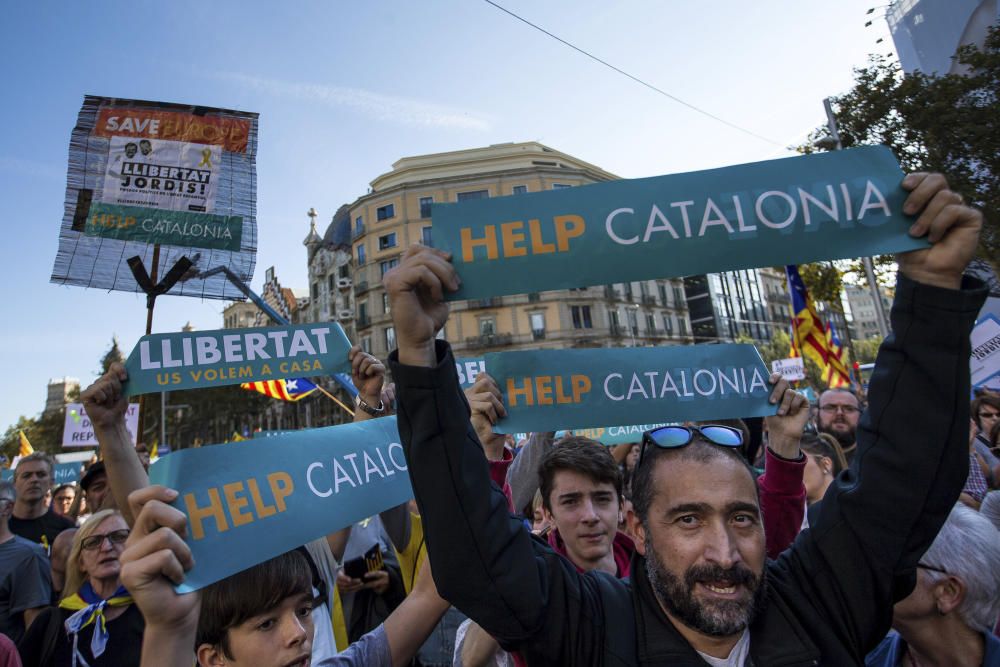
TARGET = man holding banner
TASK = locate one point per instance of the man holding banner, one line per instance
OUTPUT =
(701, 588)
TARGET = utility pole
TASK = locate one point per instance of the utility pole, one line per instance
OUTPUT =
(883, 328)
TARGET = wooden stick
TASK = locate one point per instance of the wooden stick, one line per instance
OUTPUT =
(335, 400)
(140, 436)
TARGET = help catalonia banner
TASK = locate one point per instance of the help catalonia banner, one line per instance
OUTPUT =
(789, 211)
(198, 359)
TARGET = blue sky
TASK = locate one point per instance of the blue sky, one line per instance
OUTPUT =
(345, 89)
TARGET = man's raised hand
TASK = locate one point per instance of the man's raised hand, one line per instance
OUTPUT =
(486, 403)
(784, 429)
(104, 400)
(367, 374)
(950, 226)
(416, 291)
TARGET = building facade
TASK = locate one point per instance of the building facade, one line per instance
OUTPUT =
(726, 306)
(331, 293)
(58, 393)
(864, 317)
(396, 213)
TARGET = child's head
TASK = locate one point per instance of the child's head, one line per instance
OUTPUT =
(261, 616)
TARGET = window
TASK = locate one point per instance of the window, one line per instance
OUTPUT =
(650, 322)
(359, 226)
(344, 271)
(385, 303)
(331, 282)
(487, 326)
(388, 265)
(519, 189)
(537, 325)
(385, 212)
(678, 296)
(475, 194)
(387, 241)
(366, 344)
(581, 317)
(615, 321)
(390, 338)
(363, 314)
(560, 186)
(663, 294)
(426, 238)
(682, 324)
(668, 324)
(361, 255)
(315, 290)
(425, 207)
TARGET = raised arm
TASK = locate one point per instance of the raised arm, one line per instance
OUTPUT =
(485, 562)
(883, 512)
(523, 473)
(106, 405)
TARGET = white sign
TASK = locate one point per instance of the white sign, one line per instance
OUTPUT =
(984, 364)
(168, 175)
(790, 369)
(79, 432)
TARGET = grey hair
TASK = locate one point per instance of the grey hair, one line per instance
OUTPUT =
(968, 547)
(7, 491)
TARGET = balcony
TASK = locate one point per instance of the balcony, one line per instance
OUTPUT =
(358, 230)
(361, 287)
(648, 300)
(489, 340)
(609, 293)
(534, 297)
(363, 321)
(491, 302)
(617, 330)
(538, 334)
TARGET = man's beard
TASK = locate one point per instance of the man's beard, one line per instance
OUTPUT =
(845, 439)
(718, 618)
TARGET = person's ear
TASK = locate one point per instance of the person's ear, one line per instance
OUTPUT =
(949, 594)
(637, 530)
(547, 515)
(210, 656)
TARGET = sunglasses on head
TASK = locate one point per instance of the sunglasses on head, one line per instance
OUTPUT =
(675, 437)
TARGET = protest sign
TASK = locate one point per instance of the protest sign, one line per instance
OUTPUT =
(984, 363)
(197, 359)
(78, 431)
(546, 389)
(62, 473)
(468, 368)
(616, 435)
(790, 369)
(789, 211)
(250, 501)
(152, 173)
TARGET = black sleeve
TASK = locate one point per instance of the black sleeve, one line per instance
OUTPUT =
(32, 644)
(881, 514)
(485, 562)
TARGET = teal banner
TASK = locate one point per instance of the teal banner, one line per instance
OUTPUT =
(790, 211)
(63, 473)
(572, 389)
(250, 501)
(198, 359)
(468, 368)
(151, 225)
(617, 435)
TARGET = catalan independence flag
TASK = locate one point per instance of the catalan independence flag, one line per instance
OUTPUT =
(836, 373)
(810, 335)
(285, 390)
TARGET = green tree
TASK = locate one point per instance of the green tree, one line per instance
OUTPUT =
(866, 350)
(945, 123)
(779, 347)
(114, 354)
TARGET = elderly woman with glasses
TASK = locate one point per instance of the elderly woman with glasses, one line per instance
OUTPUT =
(96, 623)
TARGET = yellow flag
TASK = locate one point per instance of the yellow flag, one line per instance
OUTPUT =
(26, 447)
(154, 452)
(237, 437)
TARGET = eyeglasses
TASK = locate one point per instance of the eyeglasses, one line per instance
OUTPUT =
(989, 415)
(674, 437)
(933, 569)
(92, 542)
(846, 409)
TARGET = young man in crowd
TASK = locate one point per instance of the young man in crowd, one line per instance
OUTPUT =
(96, 489)
(986, 413)
(33, 519)
(25, 588)
(700, 589)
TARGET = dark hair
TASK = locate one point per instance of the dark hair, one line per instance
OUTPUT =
(841, 390)
(991, 400)
(583, 455)
(252, 592)
(59, 488)
(700, 450)
(825, 445)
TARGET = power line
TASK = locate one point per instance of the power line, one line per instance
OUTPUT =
(636, 79)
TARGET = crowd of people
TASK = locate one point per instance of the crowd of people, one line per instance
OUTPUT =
(862, 530)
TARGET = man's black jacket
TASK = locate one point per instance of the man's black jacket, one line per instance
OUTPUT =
(830, 595)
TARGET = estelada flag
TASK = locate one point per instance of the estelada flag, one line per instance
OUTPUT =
(810, 335)
(285, 390)
(26, 447)
(836, 373)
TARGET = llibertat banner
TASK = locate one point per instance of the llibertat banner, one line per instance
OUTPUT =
(78, 430)
(198, 359)
(573, 389)
(789, 211)
(250, 501)
(181, 177)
